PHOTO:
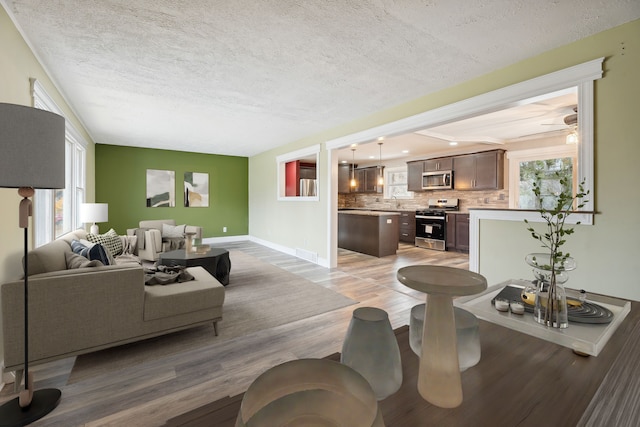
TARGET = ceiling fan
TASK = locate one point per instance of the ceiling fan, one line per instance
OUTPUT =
(569, 120)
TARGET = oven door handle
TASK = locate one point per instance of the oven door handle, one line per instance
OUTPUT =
(429, 217)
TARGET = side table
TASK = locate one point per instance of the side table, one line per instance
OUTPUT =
(216, 261)
(439, 379)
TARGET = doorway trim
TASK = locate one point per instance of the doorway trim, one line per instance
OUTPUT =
(581, 76)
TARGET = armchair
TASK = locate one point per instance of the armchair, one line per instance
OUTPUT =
(158, 236)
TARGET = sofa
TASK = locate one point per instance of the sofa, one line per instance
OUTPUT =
(81, 310)
(161, 235)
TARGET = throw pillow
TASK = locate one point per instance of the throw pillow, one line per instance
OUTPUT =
(80, 248)
(98, 252)
(92, 251)
(173, 231)
(110, 240)
(78, 261)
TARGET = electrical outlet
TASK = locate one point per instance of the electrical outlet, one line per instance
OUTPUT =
(224, 229)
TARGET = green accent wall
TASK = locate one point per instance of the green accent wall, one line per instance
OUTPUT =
(121, 182)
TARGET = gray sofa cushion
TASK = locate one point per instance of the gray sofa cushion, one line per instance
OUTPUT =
(49, 257)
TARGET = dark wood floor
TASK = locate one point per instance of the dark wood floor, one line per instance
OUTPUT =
(160, 389)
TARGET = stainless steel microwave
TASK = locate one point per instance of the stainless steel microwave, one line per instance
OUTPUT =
(438, 180)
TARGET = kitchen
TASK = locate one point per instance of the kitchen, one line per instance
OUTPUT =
(434, 219)
(432, 178)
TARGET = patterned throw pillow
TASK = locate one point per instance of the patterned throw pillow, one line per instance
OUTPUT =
(110, 240)
(92, 251)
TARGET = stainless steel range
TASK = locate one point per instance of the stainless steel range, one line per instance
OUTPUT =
(431, 223)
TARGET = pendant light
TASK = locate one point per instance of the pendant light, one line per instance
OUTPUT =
(380, 176)
(353, 168)
(572, 138)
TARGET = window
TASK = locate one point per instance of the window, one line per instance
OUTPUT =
(56, 211)
(524, 165)
(395, 183)
(298, 174)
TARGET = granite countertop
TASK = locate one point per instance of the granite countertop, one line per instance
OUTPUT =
(367, 212)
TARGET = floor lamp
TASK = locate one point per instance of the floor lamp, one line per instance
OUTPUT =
(33, 156)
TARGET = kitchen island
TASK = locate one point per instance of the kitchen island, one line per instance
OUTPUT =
(369, 232)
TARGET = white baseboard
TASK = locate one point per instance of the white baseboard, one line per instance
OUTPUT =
(214, 240)
(296, 252)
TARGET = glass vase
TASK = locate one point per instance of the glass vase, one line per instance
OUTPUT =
(550, 306)
(371, 348)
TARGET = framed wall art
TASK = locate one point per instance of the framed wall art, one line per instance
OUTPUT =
(196, 190)
(161, 188)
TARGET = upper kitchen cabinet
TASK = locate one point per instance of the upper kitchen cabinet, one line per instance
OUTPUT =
(367, 180)
(344, 176)
(480, 171)
(414, 175)
(441, 164)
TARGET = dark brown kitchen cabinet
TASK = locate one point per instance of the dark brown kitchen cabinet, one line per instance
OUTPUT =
(367, 180)
(450, 238)
(457, 238)
(480, 171)
(408, 226)
(440, 164)
(462, 232)
(344, 176)
(414, 175)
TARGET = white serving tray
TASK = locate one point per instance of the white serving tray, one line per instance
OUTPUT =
(581, 337)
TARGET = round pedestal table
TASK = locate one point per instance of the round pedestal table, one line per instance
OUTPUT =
(439, 373)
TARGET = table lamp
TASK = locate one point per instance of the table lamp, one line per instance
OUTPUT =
(33, 156)
(94, 212)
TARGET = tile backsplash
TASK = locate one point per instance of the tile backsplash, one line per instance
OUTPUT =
(495, 199)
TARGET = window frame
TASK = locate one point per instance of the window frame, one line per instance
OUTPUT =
(516, 157)
(281, 162)
(388, 171)
(75, 175)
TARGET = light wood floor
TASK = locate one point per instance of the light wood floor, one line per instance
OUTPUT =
(157, 390)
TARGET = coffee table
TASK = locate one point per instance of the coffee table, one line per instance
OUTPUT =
(215, 260)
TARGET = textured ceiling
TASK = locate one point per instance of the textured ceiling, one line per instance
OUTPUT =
(241, 77)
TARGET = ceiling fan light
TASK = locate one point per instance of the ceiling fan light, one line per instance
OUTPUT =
(572, 137)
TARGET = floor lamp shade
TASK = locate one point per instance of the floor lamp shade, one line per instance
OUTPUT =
(33, 156)
(33, 148)
(94, 212)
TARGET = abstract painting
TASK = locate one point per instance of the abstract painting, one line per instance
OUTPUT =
(196, 190)
(161, 188)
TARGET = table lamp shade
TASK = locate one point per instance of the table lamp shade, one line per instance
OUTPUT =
(94, 212)
(33, 147)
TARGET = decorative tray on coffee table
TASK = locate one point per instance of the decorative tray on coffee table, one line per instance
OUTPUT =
(583, 337)
(578, 311)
